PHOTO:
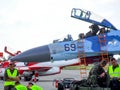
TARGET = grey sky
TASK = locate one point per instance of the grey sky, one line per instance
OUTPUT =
(29, 23)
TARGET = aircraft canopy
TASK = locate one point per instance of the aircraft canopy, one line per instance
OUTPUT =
(90, 17)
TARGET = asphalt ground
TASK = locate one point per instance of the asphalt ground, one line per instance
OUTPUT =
(46, 82)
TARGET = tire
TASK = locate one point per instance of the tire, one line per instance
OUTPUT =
(60, 87)
(27, 78)
(1, 78)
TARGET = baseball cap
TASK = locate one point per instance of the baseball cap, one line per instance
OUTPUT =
(12, 63)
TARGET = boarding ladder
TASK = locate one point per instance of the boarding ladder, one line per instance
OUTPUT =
(103, 47)
(82, 57)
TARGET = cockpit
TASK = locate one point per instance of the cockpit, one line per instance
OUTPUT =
(95, 30)
(67, 38)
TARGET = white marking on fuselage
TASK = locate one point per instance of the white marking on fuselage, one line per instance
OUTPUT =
(113, 42)
(56, 63)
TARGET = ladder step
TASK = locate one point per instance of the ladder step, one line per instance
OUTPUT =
(83, 60)
(102, 41)
(105, 58)
(82, 68)
(80, 46)
(83, 73)
(81, 51)
(104, 51)
(101, 36)
(104, 54)
(80, 41)
(82, 55)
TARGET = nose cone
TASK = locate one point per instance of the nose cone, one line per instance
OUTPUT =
(38, 54)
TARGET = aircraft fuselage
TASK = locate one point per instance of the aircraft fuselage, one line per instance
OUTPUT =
(65, 50)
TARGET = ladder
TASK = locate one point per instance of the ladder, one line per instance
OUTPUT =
(82, 56)
(103, 47)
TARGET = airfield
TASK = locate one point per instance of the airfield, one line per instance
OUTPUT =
(46, 82)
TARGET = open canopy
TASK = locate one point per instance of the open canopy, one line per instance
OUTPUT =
(90, 17)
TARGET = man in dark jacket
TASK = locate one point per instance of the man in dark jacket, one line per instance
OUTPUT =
(98, 76)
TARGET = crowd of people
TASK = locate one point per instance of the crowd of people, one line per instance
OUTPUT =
(97, 76)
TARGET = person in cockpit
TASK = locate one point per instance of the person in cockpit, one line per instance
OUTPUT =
(69, 37)
(102, 31)
(94, 29)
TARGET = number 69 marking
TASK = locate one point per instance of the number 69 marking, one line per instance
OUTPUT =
(70, 47)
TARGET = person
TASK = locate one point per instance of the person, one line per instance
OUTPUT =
(69, 37)
(114, 72)
(19, 86)
(102, 31)
(81, 36)
(94, 28)
(10, 76)
(32, 86)
(98, 76)
(88, 34)
(93, 32)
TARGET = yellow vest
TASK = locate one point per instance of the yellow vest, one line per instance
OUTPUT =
(115, 73)
(35, 87)
(20, 87)
(14, 74)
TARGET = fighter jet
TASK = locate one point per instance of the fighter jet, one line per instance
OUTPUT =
(92, 44)
(28, 69)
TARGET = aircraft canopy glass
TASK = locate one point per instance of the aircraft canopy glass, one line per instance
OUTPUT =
(90, 17)
(67, 38)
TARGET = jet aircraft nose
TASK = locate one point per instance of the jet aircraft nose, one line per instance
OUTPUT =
(38, 54)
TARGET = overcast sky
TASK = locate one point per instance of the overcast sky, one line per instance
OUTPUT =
(25, 24)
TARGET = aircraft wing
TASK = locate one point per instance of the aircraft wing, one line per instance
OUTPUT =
(40, 68)
(32, 68)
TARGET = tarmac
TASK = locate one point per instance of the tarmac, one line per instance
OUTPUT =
(46, 82)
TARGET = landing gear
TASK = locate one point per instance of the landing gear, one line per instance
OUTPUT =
(1, 78)
(27, 78)
(60, 87)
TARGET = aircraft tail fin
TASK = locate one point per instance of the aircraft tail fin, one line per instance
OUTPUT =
(10, 53)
